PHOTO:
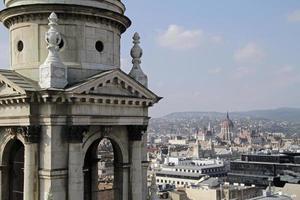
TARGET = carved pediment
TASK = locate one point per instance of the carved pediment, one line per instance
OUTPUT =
(7, 90)
(113, 83)
(111, 89)
(12, 83)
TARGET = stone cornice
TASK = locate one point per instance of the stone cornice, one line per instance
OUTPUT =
(65, 98)
(27, 13)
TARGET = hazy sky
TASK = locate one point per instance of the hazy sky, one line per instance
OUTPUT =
(214, 55)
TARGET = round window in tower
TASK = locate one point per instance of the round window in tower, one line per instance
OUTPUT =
(99, 46)
(61, 44)
(20, 46)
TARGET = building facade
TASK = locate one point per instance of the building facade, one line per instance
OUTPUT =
(64, 93)
(261, 169)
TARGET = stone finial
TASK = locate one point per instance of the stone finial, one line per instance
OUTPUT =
(53, 73)
(136, 54)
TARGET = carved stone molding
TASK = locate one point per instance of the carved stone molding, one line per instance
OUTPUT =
(106, 130)
(75, 133)
(135, 132)
(31, 134)
(32, 12)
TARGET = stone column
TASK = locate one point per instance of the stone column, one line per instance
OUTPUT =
(121, 181)
(4, 180)
(76, 160)
(31, 172)
(31, 135)
(145, 165)
(125, 188)
(94, 177)
(135, 134)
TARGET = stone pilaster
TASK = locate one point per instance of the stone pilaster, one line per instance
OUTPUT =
(31, 171)
(135, 134)
(121, 181)
(4, 180)
(145, 165)
(94, 177)
(53, 173)
(76, 157)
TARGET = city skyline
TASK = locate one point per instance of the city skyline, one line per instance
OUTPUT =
(209, 55)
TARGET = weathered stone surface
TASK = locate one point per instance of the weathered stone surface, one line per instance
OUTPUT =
(60, 125)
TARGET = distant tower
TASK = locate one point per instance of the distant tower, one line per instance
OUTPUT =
(197, 151)
(227, 129)
(209, 127)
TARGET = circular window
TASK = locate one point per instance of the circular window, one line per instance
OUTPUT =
(20, 46)
(61, 44)
(99, 46)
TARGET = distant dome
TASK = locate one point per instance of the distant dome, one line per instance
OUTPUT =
(112, 5)
(227, 123)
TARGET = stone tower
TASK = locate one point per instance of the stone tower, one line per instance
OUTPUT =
(90, 29)
(64, 93)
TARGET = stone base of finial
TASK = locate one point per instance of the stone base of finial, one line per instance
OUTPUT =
(137, 74)
(53, 75)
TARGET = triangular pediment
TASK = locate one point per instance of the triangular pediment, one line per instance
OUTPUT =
(7, 86)
(113, 83)
(7, 90)
(14, 84)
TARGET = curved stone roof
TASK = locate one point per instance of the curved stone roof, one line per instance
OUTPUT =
(113, 5)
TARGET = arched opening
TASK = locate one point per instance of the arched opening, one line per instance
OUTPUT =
(102, 180)
(13, 176)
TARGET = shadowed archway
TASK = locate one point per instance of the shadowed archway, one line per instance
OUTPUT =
(13, 172)
(102, 179)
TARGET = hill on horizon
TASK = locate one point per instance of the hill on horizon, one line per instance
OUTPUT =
(279, 114)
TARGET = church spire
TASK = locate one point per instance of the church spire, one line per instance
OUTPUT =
(53, 73)
(136, 54)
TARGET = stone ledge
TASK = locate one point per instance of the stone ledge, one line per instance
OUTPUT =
(53, 174)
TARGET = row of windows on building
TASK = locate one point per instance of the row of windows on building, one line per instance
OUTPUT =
(173, 182)
(199, 171)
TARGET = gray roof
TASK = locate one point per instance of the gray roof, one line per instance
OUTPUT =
(211, 182)
(19, 80)
(91, 78)
(272, 197)
(194, 167)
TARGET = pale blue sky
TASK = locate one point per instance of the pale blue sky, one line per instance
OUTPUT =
(214, 55)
